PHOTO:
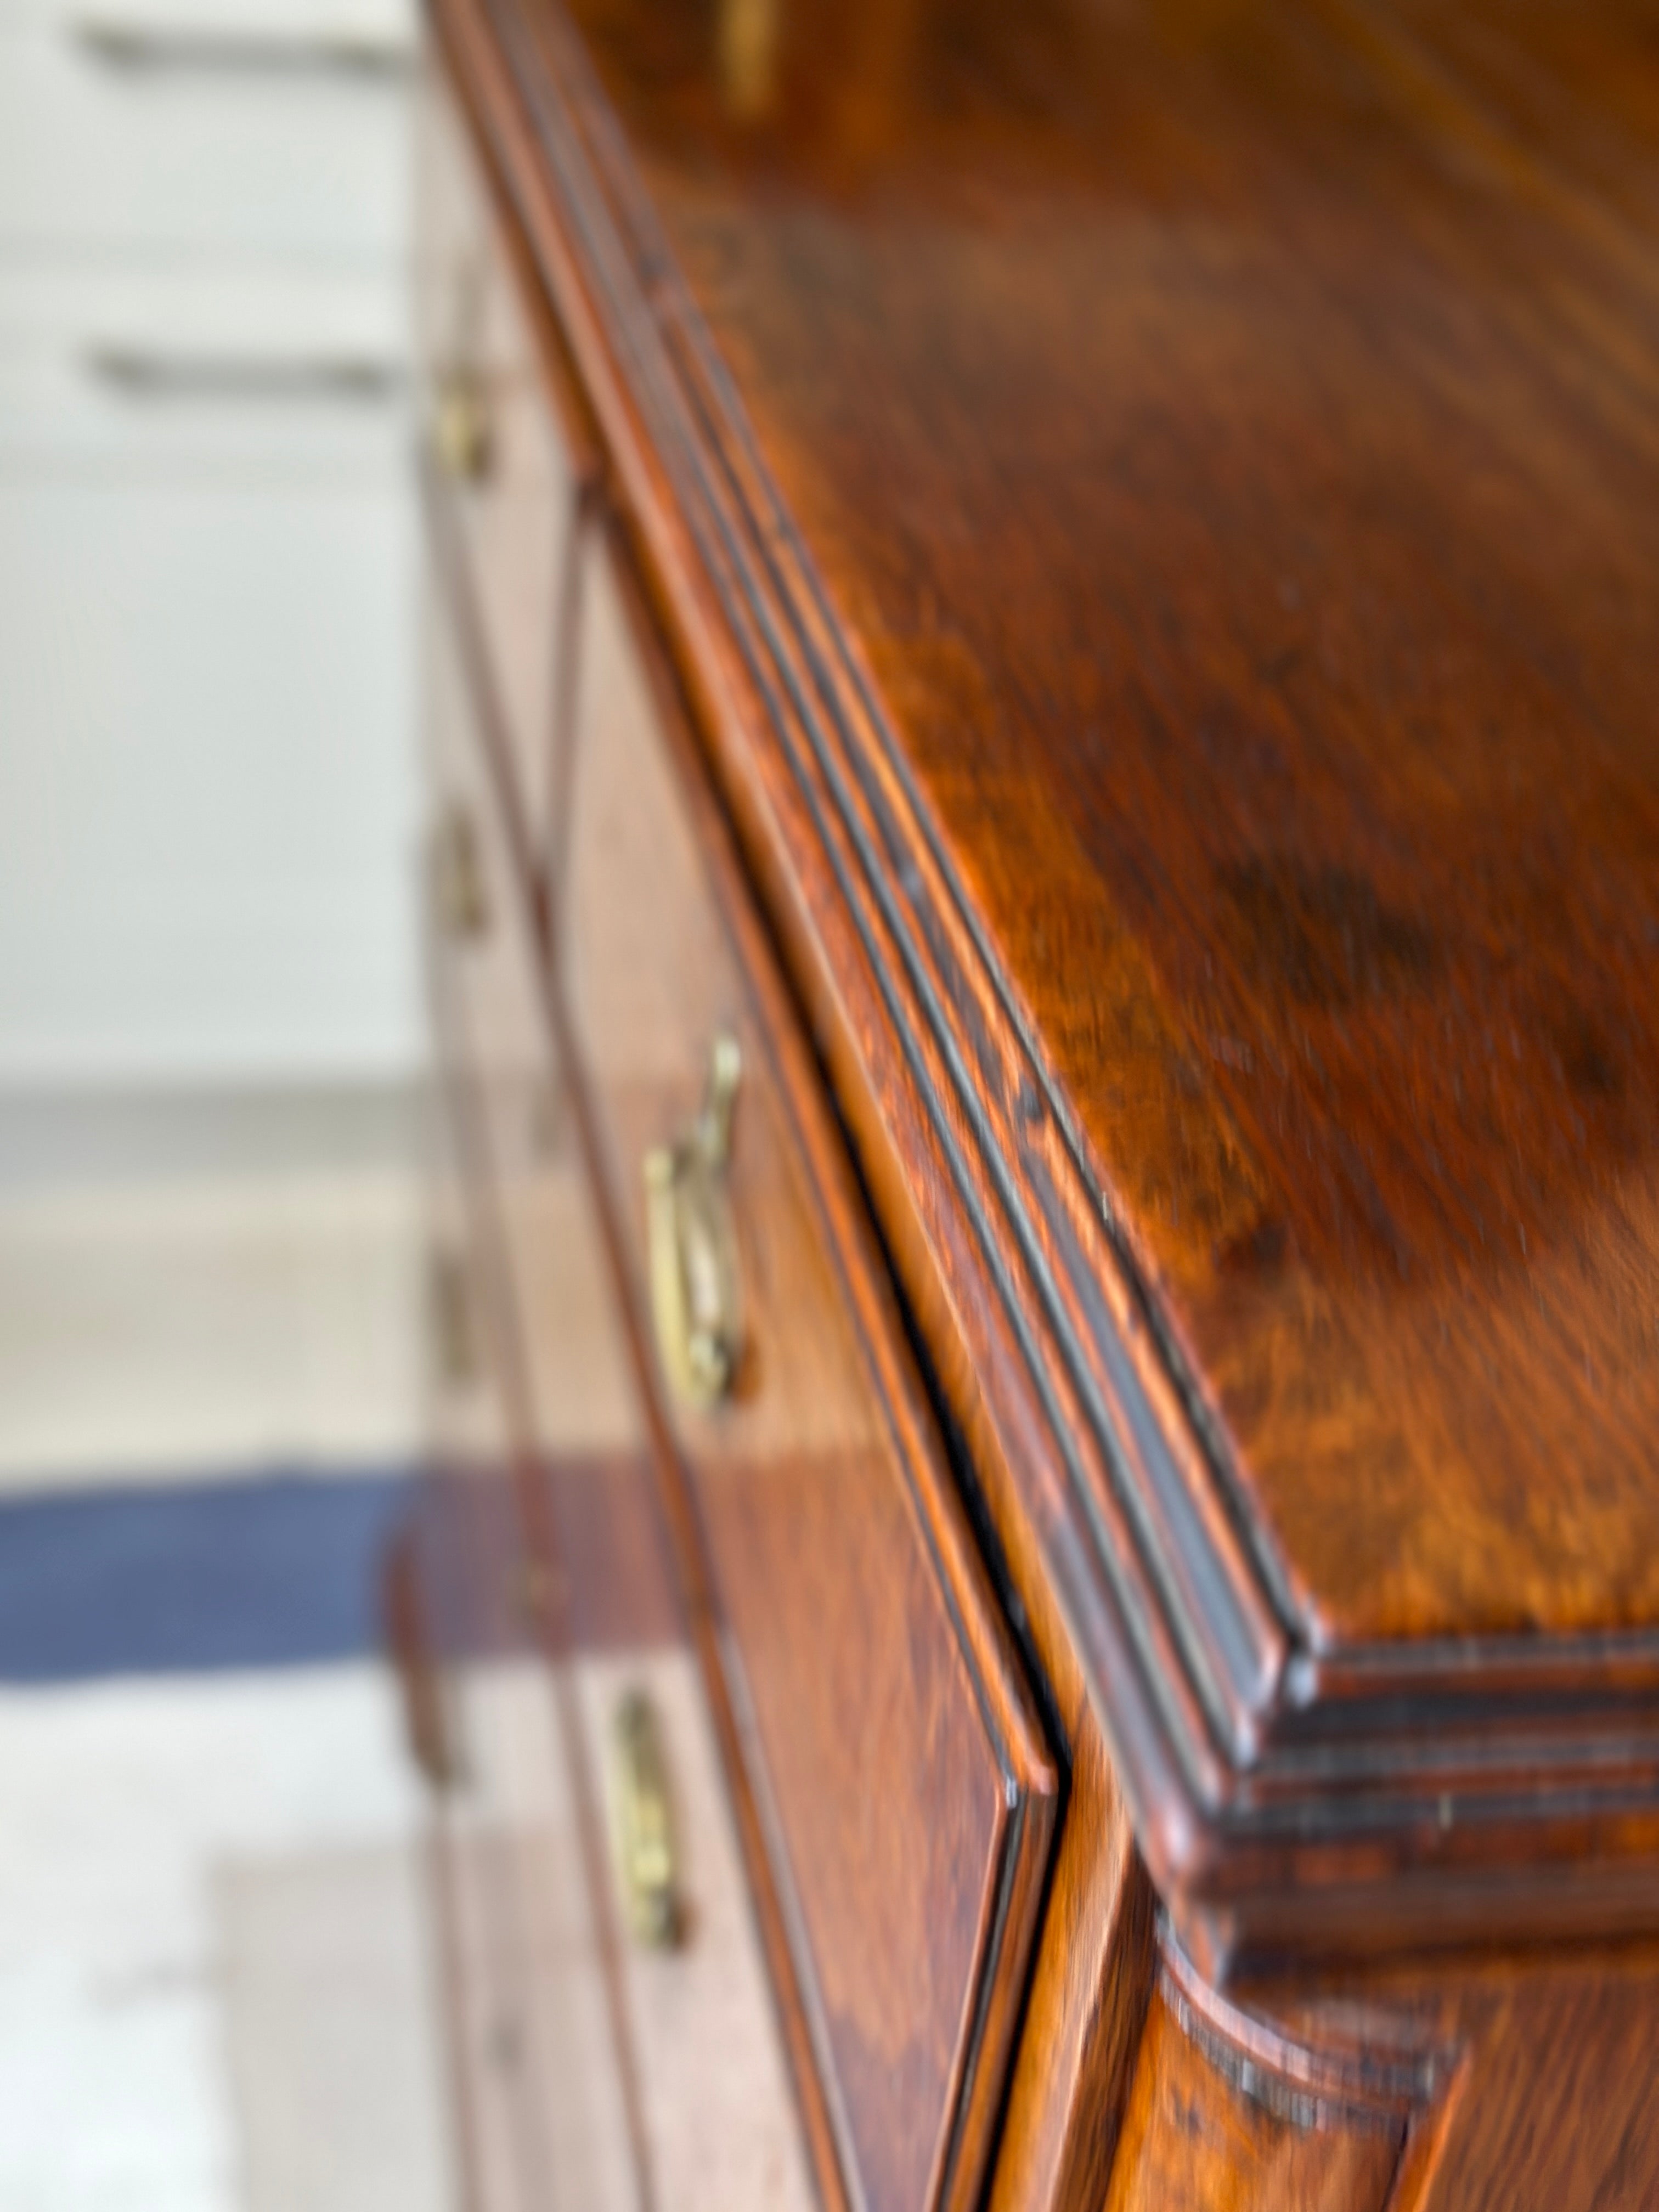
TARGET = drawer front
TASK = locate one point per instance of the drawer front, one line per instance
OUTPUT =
(544, 2114)
(481, 932)
(604, 2067)
(508, 1841)
(601, 2065)
(509, 462)
(889, 1740)
(101, 151)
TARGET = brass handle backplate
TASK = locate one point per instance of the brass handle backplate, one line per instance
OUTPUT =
(693, 1251)
(646, 1862)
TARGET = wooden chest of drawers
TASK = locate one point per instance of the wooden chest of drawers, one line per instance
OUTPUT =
(1037, 1584)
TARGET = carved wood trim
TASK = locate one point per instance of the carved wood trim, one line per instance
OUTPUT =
(1288, 1795)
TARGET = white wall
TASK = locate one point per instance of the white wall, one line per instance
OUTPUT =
(207, 782)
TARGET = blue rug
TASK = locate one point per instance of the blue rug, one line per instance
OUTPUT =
(277, 1571)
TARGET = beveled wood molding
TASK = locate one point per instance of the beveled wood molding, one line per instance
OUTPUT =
(1385, 2075)
(1290, 1796)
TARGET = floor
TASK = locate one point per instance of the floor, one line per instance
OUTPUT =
(214, 1979)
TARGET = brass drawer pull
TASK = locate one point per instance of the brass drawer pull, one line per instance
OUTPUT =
(644, 1825)
(458, 896)
(461, 438)
(693, 1251)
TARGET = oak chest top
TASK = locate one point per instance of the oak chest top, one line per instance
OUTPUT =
(1160, 508)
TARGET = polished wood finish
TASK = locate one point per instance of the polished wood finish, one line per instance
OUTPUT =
(887, 1730)
(1091, 1985)
(1518, 2081)
(590, 2073)
(1556, 2101)
(1155, 748)
(1101, 639)
(503, 1060)
(1075, 472)
(1196, 2142)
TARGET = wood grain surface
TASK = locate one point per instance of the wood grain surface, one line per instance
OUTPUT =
(1092, 1982)
(497, 1052)
(1524, 2081)
(1194, 2141)
(1155, 508)
(1557, 2107)
(889, 1734)
(1094, 1968)
(592, 2072)
(1225, 433)
(1458, 2083)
